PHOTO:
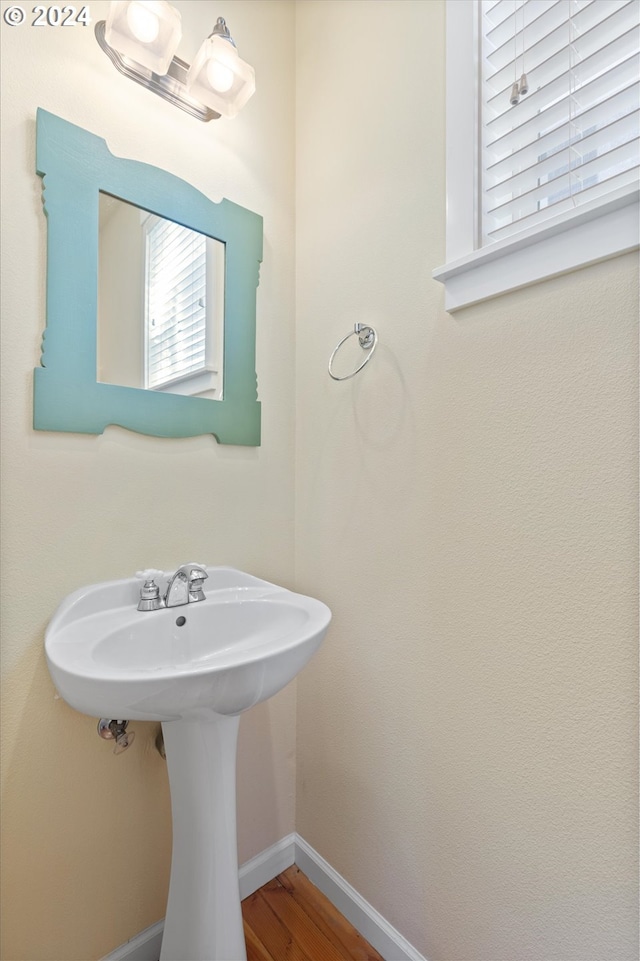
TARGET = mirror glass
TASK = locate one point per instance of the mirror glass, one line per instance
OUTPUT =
(160, 303)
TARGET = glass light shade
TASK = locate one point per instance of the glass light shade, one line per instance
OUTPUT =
(147, 31)
(220, 79)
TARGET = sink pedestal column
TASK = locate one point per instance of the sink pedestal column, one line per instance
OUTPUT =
(204, 918)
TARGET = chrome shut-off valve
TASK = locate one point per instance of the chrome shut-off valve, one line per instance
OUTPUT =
(116, 730)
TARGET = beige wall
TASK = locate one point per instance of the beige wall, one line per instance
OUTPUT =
(467, 506)
(467, 746)
(86, 845)
(121, 293)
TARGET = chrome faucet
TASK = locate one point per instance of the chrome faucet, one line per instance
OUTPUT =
(184, 587)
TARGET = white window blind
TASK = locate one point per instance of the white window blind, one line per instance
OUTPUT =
(176, 328)
(574, 137)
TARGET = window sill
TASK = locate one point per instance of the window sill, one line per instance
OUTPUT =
(199, 382)
(567, 242)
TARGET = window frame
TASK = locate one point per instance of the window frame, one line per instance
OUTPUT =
(592, 232)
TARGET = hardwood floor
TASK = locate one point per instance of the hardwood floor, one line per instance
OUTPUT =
(289, 919)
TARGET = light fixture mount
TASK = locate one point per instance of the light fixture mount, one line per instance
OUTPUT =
(171, 86)
(222, 30)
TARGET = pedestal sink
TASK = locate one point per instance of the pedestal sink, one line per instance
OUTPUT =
(195, 668)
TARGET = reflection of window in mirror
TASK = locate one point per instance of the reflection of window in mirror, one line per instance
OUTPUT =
(160, 303)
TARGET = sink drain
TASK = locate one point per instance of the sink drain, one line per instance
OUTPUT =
(180, 621)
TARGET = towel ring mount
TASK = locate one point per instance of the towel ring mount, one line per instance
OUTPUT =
(368, 340)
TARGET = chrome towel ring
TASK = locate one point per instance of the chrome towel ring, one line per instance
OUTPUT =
(368, 340)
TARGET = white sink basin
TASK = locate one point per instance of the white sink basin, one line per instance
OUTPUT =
(239, 646)
(195, 668)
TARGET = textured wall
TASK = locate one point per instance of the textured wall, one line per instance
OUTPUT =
(467, 506)
(86, 844)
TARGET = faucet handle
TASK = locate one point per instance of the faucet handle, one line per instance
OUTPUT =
(149, 592)
(196, 574)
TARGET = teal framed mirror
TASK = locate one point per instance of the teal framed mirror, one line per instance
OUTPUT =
(81, 181)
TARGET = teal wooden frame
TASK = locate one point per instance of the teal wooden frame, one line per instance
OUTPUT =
(75, 166)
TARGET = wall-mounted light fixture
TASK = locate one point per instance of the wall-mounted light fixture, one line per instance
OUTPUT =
(140, 37)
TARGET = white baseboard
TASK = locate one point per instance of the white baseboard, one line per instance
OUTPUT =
(293, 849)
(144, 947)
(365, 919)
(265, 866)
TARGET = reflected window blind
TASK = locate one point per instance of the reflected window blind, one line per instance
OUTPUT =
(176, 302)
(574, 137)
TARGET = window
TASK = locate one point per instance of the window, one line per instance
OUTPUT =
(181, 285)
(548, 183)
